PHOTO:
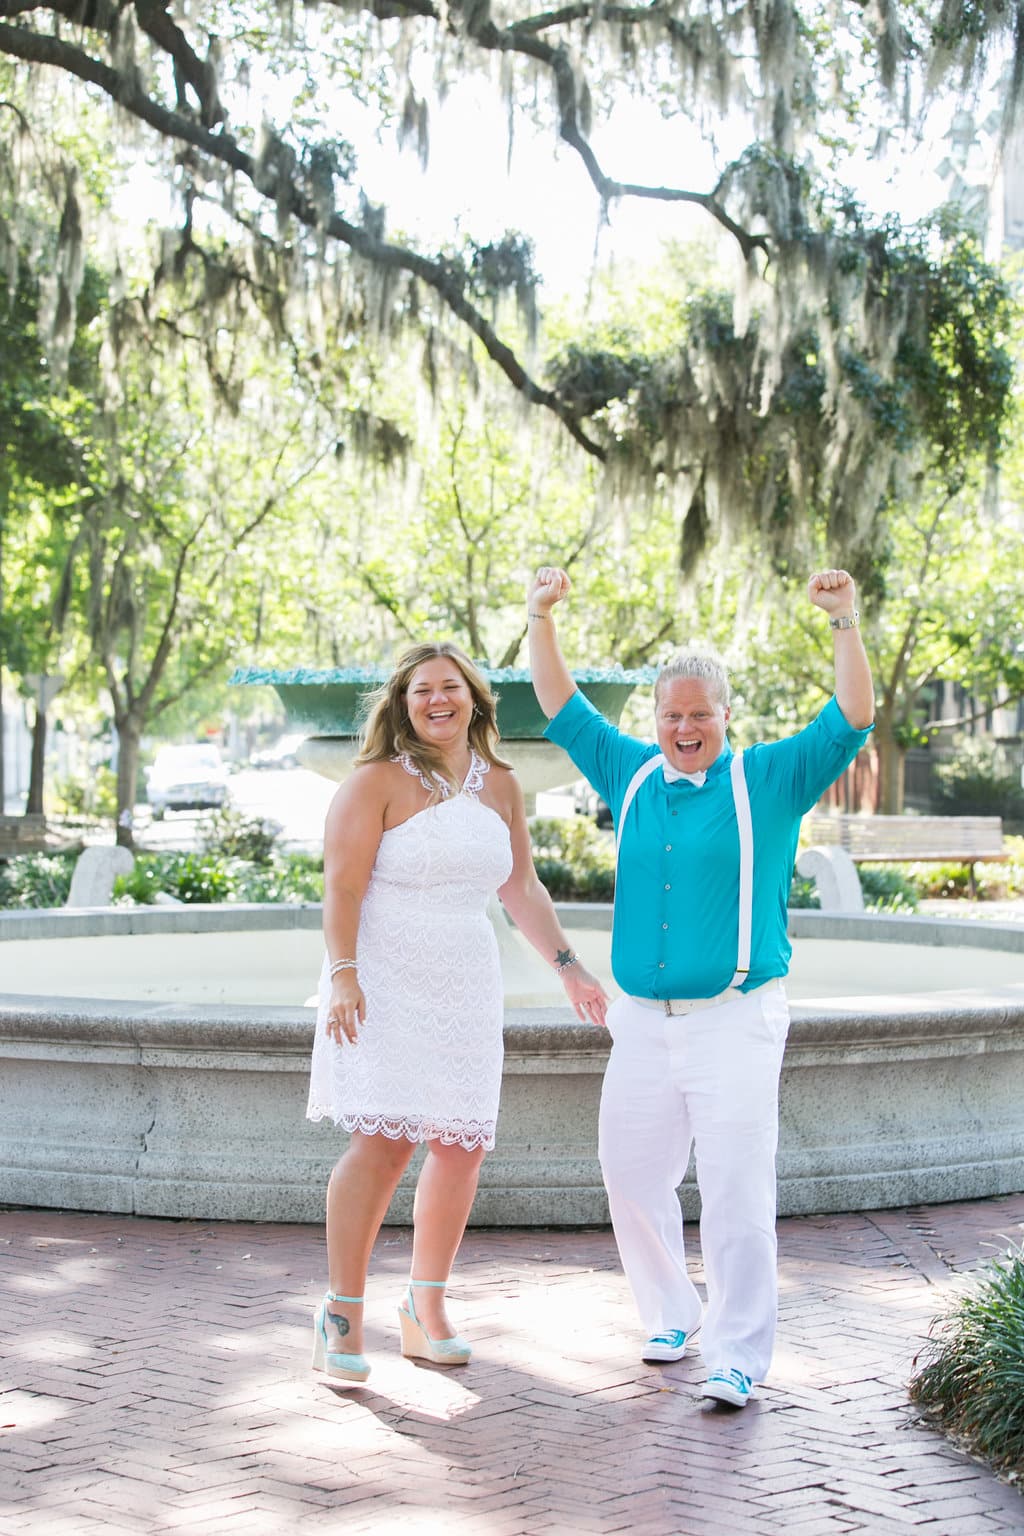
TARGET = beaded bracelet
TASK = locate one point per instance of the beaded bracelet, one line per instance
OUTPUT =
(343, 965)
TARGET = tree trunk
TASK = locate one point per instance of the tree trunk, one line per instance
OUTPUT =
(5, 492)
(129, 735)
(34, 804)
(891, 761)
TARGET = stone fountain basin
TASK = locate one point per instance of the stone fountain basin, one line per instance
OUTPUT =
(155, 1060)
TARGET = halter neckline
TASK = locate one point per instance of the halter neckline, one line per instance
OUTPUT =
(472, 784)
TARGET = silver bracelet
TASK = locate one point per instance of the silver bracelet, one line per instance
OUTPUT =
(531, 615)
(343, 965)
(563, 965)
(846, 622)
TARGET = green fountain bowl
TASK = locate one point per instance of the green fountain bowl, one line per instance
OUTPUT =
(332, 701)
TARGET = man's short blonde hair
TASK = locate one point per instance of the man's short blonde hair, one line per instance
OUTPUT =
(703, 666)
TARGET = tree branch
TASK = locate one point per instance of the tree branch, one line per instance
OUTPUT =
(979, 714)
(126, 91)
(522, 38)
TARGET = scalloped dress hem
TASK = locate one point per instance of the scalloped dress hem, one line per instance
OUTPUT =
(395, 1128)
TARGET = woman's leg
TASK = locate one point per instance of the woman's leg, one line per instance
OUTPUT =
(358, 1196)
(444, 1198)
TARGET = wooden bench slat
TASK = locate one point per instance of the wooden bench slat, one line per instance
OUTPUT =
(892, 839)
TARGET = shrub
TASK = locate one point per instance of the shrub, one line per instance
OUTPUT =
(290, 880)
(972, 1379)
(803, 893)
(574, 860)
(188, 877)
(1010, 874)
(233, 835)
(887, 889)
(193, 877)
(204, 877)
(978, 781)
(557, 877)
(95, 795)
(36, 879)
(149, 877)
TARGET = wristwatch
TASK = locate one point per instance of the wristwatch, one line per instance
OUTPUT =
(848, 621)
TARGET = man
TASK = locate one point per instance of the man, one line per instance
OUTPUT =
(706, 844)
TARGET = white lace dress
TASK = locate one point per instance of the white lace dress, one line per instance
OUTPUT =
(427, 1061)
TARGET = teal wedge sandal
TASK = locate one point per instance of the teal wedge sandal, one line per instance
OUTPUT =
(416, 1341)
(342, 1367)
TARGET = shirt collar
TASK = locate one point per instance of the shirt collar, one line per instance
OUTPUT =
(675, 775)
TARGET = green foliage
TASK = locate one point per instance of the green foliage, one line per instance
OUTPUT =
(762, 447)
(189, 877)
(92, 796)
(1011, 873)
(971, 1379)
(573, 859)
(219, 877)
(204, 878)
(36, 879)
(888, 888)
(151, 875)
(885, 889)
(296, 878)
(803, 894)
(979, 781)
(233, 835)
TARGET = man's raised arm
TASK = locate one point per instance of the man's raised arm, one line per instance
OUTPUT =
(834, 592)
(549, 673)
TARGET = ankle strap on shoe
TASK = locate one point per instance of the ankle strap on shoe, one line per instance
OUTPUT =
(435, 1284)
(354, 1300)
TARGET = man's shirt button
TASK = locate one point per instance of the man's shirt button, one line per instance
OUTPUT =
(661, 965)
(668, 847)
(668, 887)
(664, 925)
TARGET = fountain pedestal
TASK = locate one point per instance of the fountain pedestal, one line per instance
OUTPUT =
(331, 704)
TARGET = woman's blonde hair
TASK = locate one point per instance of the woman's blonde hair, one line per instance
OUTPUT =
(387, 731)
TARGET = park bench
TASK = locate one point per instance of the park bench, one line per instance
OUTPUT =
(910, 839)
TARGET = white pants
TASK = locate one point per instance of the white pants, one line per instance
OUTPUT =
(708, 1079)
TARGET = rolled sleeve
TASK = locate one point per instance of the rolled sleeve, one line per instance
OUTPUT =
(800, 768)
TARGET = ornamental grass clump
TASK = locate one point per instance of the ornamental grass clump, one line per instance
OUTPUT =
(972, 1379)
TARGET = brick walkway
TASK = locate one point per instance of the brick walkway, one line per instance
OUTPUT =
(155, 1379)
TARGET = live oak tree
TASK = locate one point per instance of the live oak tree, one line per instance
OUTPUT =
(42, 483)
(271, 207)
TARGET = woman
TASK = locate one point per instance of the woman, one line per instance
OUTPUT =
(409, 1030)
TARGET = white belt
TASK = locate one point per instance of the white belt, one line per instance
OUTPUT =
(675, 1007)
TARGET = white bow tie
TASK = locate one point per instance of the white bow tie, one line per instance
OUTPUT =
(673, 775)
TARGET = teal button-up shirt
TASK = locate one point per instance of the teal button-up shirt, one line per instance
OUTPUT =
(676, 919)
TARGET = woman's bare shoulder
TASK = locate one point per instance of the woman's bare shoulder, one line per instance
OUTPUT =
(504, 786)
(367, 783)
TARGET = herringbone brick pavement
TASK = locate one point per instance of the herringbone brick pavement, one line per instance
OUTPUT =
(155, 1379)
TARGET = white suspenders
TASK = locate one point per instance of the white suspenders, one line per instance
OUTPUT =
(741, 800)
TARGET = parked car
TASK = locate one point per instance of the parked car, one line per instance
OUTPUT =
(588, 802)
(187, 778)
(281, 754)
